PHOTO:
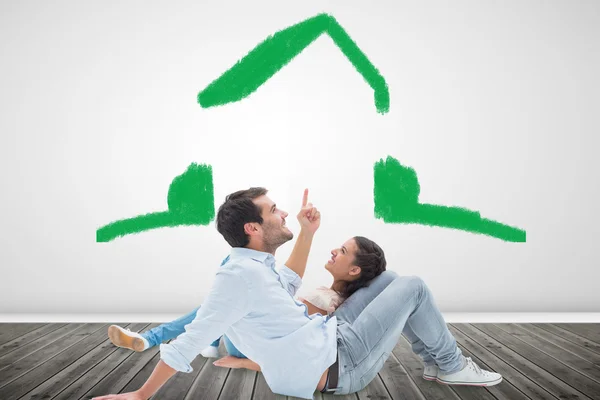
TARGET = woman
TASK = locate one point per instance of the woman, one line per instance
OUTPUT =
(352, 266)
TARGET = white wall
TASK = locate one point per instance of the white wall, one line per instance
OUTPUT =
(495, 104)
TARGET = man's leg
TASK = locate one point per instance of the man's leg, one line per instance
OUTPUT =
(139, 342)
(175, 328)
(371, 337)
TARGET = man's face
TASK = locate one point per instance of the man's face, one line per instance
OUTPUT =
(275, 230)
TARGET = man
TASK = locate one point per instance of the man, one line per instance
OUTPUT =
(253, 304)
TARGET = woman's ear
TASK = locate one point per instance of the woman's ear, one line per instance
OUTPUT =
(355, 271)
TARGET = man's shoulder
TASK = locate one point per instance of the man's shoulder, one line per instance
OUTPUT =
(246, 267)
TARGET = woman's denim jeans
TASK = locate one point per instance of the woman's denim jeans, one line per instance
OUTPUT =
(371, 321)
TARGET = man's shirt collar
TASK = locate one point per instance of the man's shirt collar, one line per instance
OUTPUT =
(260, 256)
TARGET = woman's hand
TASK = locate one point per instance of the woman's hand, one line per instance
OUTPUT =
(231, 362)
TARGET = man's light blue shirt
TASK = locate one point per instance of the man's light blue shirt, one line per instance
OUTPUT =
(254, 305)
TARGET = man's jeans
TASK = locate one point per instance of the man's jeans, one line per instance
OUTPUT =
(171, 330)
(371, 321)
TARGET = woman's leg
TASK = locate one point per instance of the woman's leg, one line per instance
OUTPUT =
(370, 338)
(350, 309)
(417, 345)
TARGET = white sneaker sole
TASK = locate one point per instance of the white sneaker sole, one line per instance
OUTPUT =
(429, 377)
(488, 383)
(121, 339)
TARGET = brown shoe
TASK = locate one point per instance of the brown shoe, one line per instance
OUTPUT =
(122, 337)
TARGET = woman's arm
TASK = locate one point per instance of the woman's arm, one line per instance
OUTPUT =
(313, 309)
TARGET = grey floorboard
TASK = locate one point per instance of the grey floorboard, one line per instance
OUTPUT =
(32, 370)
(414, 367)
(375, 390)
(77, 361)
(573, 361)
(262, 391)
(178, 386)
(503, 391)
(99, 372)
(398, 382)
(588, 331)
(239, 385)
(568, 375)
(142, 376)
(521, 363)
(124, 372)
(27, 338)
(566, 344)
(467, 392)
(509, 374)
(9, 332)
(67, 376)
(210, 381)
(35, 345)
(572, 337)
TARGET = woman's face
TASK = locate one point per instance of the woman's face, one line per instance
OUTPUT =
(341, 264)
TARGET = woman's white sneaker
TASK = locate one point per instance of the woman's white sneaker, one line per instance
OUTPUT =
(430, 372)
(470, 375)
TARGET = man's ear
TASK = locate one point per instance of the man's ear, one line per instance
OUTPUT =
(251, 228)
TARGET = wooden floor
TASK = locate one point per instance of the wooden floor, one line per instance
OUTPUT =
(76, 361)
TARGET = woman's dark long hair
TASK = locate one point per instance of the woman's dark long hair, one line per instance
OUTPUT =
(371, 260)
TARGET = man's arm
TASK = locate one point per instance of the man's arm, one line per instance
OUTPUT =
(299, 256)
(227, 302)
(310, 220)
(162, 373)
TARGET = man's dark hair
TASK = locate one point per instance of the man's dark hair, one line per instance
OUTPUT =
(237, 210)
